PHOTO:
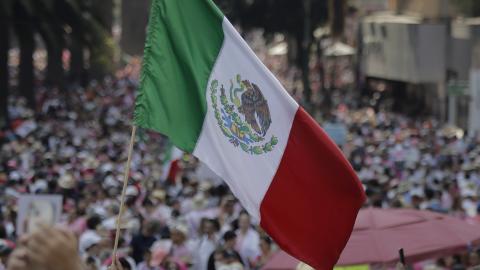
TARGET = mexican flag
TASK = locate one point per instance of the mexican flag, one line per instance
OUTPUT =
(171, 163)
(203, 87)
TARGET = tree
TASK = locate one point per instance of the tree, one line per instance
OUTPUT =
(336, 20)
(134, 24)
(295, 19)
(23, 24)
(336, 15)
(103, 13)
(103, 50)
(468, 7)
(77, 62)
(51, 29)
(86, 34)
(89, 25)
(4, 48)
(60, 23)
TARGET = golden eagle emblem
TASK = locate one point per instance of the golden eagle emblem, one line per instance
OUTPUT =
(243, 115)
(254, 105)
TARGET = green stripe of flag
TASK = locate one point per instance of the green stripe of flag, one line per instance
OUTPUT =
(183, 41)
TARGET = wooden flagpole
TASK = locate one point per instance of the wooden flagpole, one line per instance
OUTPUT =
(122, 198)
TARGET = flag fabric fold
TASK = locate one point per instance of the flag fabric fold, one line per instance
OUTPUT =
(205, 89)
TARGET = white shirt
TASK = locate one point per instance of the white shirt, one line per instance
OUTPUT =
(248, 245)
(205, 247)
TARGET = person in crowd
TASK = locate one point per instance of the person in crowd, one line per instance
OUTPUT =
(143, 241)
(225, 254)
(248, 239)
(6, 248)
(91, 254)
(181, 248)
(90, 237)
(147, 264)
(206, 243)
(226, 213)
(266, 253)
(77, 149)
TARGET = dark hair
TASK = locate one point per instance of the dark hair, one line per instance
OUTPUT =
(185, 180)
(229, 235)
(147, 202)
(90, 260)
(243, 212)
(267, 239)
(93, 222)
(3, 232)
(125, 264)
(216, 224)
(229, 254)
(151, 226)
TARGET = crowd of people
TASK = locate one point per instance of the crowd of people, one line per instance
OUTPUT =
(419, 164)
(75, 145)
(77, 148)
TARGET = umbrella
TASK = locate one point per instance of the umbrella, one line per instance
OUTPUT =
(283, 261)
(379, 234)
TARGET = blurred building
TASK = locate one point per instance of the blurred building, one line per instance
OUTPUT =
(367, 7)
(428, 9)
(134, 15)
(426, 57)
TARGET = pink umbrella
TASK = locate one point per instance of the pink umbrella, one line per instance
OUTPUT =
(379, 234)
(281, 261)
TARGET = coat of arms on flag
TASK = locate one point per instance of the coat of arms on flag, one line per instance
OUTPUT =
(243, 116)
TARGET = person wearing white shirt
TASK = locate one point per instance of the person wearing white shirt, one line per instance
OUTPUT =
(205, 245)
(247, 239)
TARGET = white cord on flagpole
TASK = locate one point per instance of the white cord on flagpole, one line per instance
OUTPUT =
(122, 198)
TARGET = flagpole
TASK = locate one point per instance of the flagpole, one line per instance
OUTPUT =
(122, 198)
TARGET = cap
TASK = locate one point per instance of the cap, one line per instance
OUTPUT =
(88, 241)
(131, 191)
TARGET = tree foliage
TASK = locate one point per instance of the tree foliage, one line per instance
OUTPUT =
(297, 20)
(79, 25)
(4, 45)
(469, 8)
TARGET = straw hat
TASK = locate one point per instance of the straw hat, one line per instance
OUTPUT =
(66, 181)
(180, 228)
(90, 163)
(199, 202)
(159, 194)
(111, 223)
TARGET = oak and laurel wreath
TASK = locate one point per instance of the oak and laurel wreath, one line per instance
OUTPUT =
(257, 149)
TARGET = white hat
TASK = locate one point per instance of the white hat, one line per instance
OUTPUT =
(131, 191)
(110, 223)
(110, 181)
(98, 210)
(39, 186)
(14, 176)
(89, 240)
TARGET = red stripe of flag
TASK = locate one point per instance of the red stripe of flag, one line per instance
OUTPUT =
(312, 203)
